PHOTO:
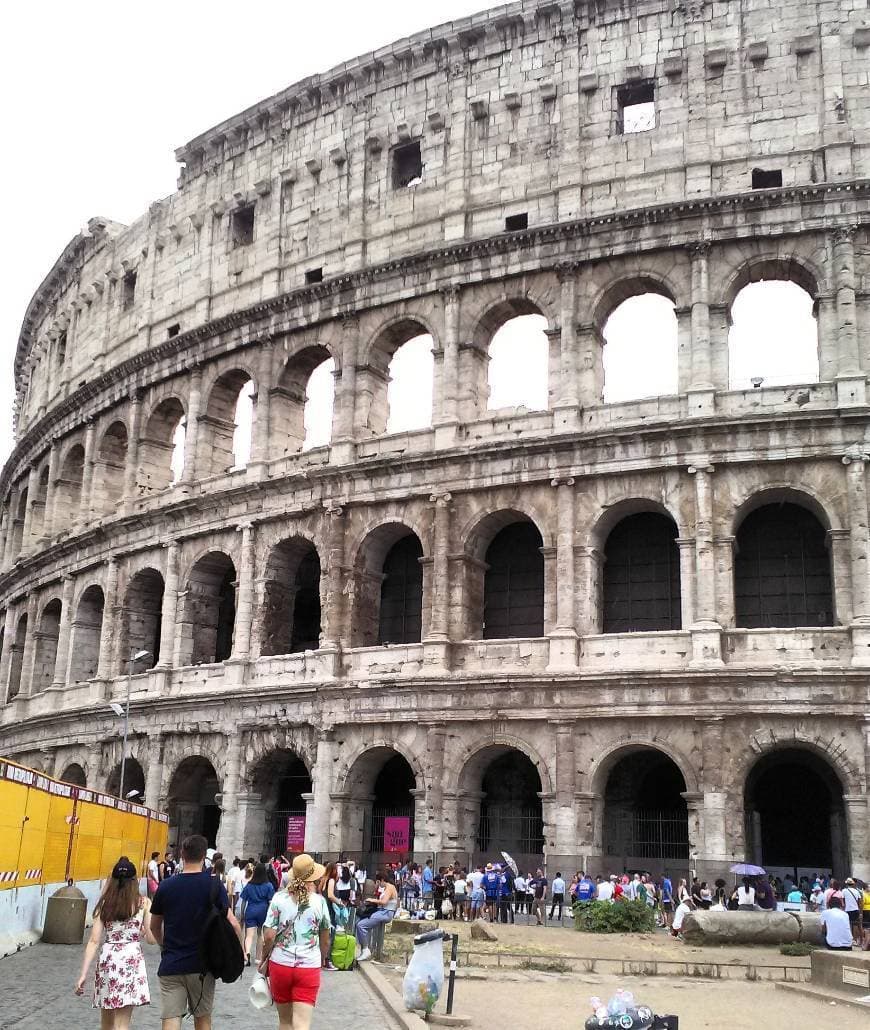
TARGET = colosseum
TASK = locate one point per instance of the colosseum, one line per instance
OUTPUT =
(616, 631)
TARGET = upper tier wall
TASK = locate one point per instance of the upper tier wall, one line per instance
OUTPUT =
(516, 110)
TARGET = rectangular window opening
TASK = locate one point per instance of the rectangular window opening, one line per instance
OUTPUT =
(514, 223)
(766, 180)
(313, 275)
(243, 226)
(173, 331)
(637, 107)
(129, 289)
(61, 349)
(407, 165)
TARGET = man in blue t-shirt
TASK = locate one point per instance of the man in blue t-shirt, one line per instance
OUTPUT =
(428, 883)
(585, 889)
(177, 916)
(491, 883)
(667, 900)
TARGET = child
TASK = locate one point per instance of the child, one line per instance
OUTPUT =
(478, 898)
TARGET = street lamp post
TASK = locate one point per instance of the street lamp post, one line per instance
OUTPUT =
(136, 656)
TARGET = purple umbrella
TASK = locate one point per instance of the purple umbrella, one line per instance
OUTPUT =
(744, 869)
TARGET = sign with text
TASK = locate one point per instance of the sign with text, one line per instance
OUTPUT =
(296, 833)
(397, 833)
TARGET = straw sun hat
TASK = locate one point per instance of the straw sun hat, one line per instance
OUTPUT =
(306, 869)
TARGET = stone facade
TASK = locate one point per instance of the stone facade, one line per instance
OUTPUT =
(292, 239)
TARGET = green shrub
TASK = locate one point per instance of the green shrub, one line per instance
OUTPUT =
(543, 965)
(613, 917)
(799, 949)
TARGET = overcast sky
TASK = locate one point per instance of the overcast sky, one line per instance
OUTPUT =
(97, 95)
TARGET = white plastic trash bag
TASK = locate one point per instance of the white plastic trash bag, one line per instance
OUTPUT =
(424, 977)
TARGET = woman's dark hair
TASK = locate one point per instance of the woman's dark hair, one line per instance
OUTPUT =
(834, 902)
(219, 868)
(746, 882)
(119, 900)
(260, 874)
(720, 882)
(155, 854)
(345, 874)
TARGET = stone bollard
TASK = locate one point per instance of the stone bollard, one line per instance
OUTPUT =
(65, 916)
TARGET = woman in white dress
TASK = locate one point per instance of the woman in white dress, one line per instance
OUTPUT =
(120, 922)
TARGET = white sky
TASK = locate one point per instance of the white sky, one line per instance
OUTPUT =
(96, 96)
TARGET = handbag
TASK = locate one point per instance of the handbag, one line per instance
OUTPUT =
(259, 993)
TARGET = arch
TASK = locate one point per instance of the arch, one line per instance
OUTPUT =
(75, 774)
(779, 493)
(134, 780)
(479, 532)
(16, 657)
(793, 780)
(161, 448)
(110, 468)
(771, 267)
(513, 583)
(282, 782)
(300, 415)
(641, 575)
(68, 489)
(394, 391)
(87, 630)
(290, 614)
(38, 526)
(141, 616)
(626, 287)
(191, 800)
(18, 521)
(402, 608)
(617, 750)
(615, 510)
(208, 611)
(646, 819)
(45, 650)
(400, 617)
(381, 783)
(782, 569)
(229, 419)
(518, 370)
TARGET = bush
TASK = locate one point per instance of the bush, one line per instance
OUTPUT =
(799, 949)
(613, 917)
(543, 965)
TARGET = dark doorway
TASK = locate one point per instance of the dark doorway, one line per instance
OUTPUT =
(192, 801)
(281, 779)
(291, 599)
(511, 815)
(393, 797)
(782, 569)
(513, 587)
(401, 612)
(306, 605)
(134, 781)
(642, 575)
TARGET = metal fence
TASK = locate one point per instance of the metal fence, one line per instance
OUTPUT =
(647, 834)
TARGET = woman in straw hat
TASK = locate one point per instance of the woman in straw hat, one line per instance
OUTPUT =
(296, 939)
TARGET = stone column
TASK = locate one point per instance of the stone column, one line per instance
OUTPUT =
(686, 547)
(134, 432)
(333, 607)
(154, 775)
(191, 436)
(344, 411)
(51, 494)
(567, 402)
(851, 383)
(262, 409)
(706, 632)
(564, 826)
(169, 638)
(84, 514)
(29, 655)
(723, 551)
(713, 848)
(701, 400)
(590, 351)
(9, 622)
(857, 817)
(589, 562)
(855, 459)
(563, 638)
(32, 489)
(436, 643)
(447, 410)
(228, 837)
(318, 834)
(589, 821)
(61, 662)
(244, 595)
(108, 634)
(840, 546)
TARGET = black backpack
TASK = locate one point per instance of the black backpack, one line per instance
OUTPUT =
(220, 949)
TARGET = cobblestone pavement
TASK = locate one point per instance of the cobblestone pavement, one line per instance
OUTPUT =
(36, 993)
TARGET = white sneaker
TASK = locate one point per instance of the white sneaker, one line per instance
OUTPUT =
(364, 955)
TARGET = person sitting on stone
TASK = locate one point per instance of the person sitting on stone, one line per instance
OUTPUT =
(838, 931)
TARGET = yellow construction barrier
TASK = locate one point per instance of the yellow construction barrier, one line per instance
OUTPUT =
(52, 832)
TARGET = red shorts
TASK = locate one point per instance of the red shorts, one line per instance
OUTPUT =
(293, 983)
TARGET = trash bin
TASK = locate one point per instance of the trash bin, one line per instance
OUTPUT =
(65, 916)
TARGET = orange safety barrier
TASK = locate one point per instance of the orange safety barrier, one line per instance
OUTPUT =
(51, 831)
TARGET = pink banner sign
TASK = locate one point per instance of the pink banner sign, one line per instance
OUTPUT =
(296, 833)
(397, 833)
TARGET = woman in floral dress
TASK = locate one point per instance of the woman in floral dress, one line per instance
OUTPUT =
(120, 922)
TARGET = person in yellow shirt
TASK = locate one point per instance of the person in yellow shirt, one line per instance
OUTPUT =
(865, 915)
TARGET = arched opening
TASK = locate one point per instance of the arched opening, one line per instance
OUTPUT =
(110, 468)
(519, 362)
(45, 651)
(16, 657)
(795, 815)
(133, 788)
(300, 416)
(646, 822)
(782, 569)
(773, 339)
(513, 585)
(209, 611)
(191, 801)
(37, 518)
(388, 596)
(381, 786)
(510, 816)
(161, 448)
(281, 781)
(75, 775)
(87, 629)
(141, 620)
(640, 352)
(641, 582)
(69, 485)
(394, 390)
(229, 419)
(18, 523)
(291, 599)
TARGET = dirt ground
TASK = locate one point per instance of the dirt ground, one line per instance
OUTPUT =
(530, 1001)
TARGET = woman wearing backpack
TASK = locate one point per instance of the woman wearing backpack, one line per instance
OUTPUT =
(296, 944)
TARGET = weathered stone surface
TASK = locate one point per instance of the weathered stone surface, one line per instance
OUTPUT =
(482, 931)
(741, 928)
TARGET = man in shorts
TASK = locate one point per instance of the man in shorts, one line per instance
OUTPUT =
(177, 915)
